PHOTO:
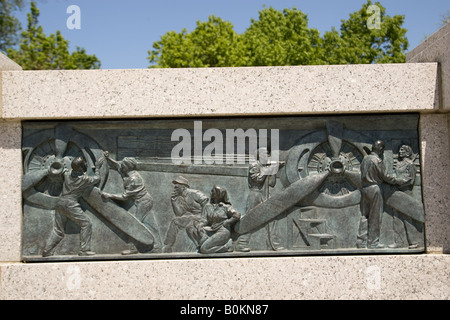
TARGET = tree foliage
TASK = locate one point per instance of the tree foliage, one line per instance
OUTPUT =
(9, 25)
(279, 38)
(359, 44)
(213, 43)
(37, 51)
(282, 38)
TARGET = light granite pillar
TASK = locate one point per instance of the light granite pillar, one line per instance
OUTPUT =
(10, 178)
(436, 49)
(7, 64)
(435, 132)
(11, 194)
(436, 177)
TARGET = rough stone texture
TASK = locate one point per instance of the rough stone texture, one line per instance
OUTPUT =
(436, 49)
(7, 64)
(435, 130)
(435, 180)
(214, 92)
(10, 190)
(344, 277)
(219, 91)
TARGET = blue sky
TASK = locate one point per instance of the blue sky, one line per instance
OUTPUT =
(120, 32)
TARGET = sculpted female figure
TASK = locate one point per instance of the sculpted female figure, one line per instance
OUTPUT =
(134, 189)
(220, 217)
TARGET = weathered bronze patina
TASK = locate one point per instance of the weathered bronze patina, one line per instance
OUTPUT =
(228, 187)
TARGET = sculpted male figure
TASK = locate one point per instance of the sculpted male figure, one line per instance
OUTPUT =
(373, 174)
(188, 205)
(261, 177)
(76, 183)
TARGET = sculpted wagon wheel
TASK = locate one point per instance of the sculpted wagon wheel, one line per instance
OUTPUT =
(47, 153)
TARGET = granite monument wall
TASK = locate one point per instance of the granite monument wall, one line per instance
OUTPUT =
(417, 89)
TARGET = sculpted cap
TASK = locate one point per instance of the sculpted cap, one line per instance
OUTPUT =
(181, 180)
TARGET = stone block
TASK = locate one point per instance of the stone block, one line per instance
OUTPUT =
(219, 91)
(267, 91)
(385, 277)
(436, 177)
(436, 49)
(10, 190)
(6, 64)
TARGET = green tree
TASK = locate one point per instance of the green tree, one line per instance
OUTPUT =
(357, 43)
(283, 38)
(9, 25)
(213, 43)
(37, 51)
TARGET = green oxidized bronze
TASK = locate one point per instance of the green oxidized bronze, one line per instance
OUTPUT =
(226, 187)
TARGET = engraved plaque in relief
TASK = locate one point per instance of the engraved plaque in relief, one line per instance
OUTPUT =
(221, 187)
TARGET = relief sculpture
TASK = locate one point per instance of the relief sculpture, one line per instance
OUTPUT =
(188, 206)
(220, 219)
(134, 189)
(261, 178)
(75, 183)
(143, 189)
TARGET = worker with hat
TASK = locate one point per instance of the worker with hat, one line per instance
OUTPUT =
(188, 206)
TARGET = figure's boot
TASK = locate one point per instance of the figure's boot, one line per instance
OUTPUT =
(51, 244)
(132, 249)
(361, 241)
(243, 241)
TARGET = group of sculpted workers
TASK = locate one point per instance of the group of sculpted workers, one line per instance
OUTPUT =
(373, 176)
(208, 221)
